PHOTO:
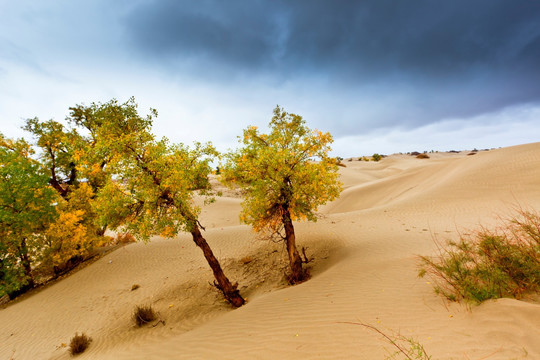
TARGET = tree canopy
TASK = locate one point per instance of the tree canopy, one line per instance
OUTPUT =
(285, 175)
(27, 208)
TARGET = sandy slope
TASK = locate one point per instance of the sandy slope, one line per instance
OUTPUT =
(364, 270)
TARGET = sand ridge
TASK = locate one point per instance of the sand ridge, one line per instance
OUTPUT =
(365, 246)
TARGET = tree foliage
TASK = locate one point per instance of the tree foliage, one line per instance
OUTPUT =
(286, 175)
(73, 235)
(154, 180)
(27, 207)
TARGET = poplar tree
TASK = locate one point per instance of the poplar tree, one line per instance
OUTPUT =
(152, 182)
(285, 176)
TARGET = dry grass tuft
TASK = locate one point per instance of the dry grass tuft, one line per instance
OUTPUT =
(79, 343)
(143, 314)
(422, 156)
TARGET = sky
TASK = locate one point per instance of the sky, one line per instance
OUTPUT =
(381, 76)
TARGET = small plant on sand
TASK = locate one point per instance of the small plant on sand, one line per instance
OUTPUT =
(406, 348)
(489, 264)
(376, 157)
(143, 314)
(79, 343)
(422, 156)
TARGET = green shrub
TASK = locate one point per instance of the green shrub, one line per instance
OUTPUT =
(376, 157)
(489, 264)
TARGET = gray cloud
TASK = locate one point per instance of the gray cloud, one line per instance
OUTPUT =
(205, 30)
(428, 37)
(457, 58)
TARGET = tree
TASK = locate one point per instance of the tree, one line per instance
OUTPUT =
(154, 182)
(286, 175)
(27, 207)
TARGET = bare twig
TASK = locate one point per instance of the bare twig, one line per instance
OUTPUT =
(390, 340)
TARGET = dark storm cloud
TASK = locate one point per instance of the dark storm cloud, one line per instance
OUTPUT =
(432, 38)
(466, 57)
(216, 30)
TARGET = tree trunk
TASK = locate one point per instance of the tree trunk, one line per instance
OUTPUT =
(25, 260)
(295, 261)
(229, 290)
(54, 180)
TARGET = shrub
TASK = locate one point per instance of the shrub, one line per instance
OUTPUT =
(79, 343)
(422, 156)
(144, 314)
(376, 157)
(489, 263)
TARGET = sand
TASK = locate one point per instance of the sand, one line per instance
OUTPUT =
(365, 247)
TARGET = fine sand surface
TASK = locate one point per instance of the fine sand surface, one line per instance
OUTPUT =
(365, 270)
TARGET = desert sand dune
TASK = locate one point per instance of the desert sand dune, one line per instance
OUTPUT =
(365, 268)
